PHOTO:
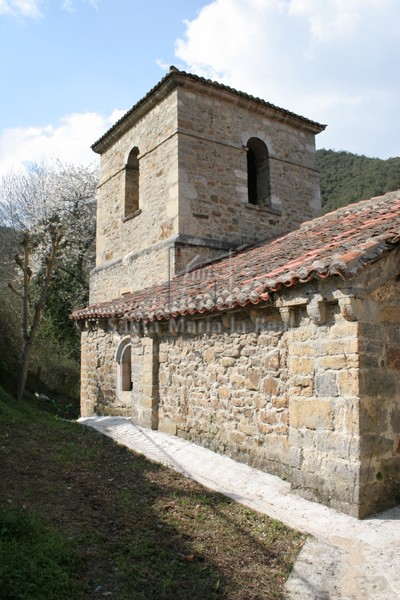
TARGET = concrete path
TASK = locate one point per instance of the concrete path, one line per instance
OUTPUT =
(346, 559)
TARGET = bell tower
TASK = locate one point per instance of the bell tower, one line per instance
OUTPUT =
(196, 169)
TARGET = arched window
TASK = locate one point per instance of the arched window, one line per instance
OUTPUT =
(124, 361)
(132, 183)
(258, 175)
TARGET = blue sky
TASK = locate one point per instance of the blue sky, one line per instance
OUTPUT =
(88, 57)
(70, 67)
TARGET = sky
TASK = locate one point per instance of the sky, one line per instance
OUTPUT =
(70, 68)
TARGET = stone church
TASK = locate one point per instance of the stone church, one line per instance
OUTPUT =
(225, 310)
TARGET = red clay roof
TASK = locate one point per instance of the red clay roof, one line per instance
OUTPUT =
(339, 243)
(175, 77)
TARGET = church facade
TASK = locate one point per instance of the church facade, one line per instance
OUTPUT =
(225, 310)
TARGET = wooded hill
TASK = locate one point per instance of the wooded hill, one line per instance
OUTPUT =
(347, 177)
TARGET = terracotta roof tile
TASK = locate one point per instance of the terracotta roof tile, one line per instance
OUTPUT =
(339, 243)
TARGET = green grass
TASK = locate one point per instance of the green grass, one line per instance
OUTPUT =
(36, 561)
(83, 517)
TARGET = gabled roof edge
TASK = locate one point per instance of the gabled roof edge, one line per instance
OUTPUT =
(169, 82)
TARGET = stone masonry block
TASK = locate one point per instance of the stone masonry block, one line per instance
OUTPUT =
(281, 401)
(337, 361)
(208, 355)
(224, 392)
(233, 351)
(252, 379)
(344, 329)
(300, 365)
(326, 384)
(237, 437)
(335, 346)
(347, 416)
(302, 385)
(348, 382)
(311, 414)
(271, 386)
(272, 361)
(302, 349)
(227, 361)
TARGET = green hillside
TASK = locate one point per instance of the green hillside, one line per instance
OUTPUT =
(347, 177)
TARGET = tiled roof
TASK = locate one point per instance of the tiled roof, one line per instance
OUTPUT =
(339, 243)
(176, 76)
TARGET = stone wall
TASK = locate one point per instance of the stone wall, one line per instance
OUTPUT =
(120, 240)
(213, 200)
(380, 405)
(273, 389)
(324, 434)
(125, 275)
(306, 387)
(99, 394)
(226, 388)
(145, 374)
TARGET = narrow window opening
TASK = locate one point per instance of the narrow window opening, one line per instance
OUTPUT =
(124, 364)
(132, 183)
(258, 173)
(126, 369)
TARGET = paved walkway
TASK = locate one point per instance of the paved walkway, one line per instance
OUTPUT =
(346, 559)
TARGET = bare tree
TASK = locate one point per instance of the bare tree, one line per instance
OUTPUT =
(50, 208)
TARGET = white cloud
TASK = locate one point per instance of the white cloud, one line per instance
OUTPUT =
(163, 65)
(21, 8)
(69, 5)
(32, 8)
(333, 61)
(69, 141)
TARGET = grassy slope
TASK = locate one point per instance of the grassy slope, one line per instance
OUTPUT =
(116, 523)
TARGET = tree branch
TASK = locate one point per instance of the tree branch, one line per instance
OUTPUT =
(12, 288)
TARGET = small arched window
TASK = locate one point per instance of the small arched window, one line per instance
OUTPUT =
(132, 183)
(124, 360)
(258, 175)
